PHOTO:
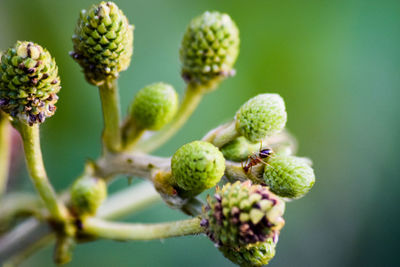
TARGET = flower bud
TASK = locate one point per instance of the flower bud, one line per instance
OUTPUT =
(289, 176)
(252, 255)
(87, 194)
(209, 49)
(240, 214)
(239, 149)
(29, 83)
(154, 106)
(197, 166)
(103, 42)
(261, 116)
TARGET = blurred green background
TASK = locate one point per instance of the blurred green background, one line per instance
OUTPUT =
(336, 63)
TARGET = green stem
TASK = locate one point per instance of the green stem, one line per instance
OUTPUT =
(222, 134)
(127, 231)
(191, 100)
(35, 165)
(111, 114)
(131, 135)
(4, 151)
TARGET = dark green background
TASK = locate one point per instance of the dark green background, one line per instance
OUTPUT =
(335, 62)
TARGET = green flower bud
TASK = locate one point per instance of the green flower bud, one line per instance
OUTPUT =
(29, 83)
(154, 106)
(87, 194)
(241, 213)
(209, 49)
(252, 255)
(289, 176)
(103, 42)
(239, 149)
(261, 116)
(197, 166)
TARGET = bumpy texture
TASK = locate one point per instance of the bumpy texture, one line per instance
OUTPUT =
(289, 176)
(261, 116)
(209, 49)
(197, 166)
(239, 149)
(240, 214)
(257, 254)
(103, 42)
(87, 194)
(154, 106)
(29, 83)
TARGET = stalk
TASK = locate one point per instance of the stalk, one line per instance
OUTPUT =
(4, 151)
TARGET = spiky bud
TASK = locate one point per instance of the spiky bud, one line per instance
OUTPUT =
(252, 255)
(241, 213)
(29, 82)
(87, 194)
(239, 149)
(103, 42)
(197, 166)
(154, 106)
(289, 176)
(209, 49)
(261, 116)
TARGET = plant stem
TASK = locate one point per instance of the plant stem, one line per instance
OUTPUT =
(111, 114)
(191, 100)
(222, 134)
(4, 151)
(127, 231)
(34, 162)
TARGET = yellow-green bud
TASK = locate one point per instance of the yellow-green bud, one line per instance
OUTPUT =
(209, 49)
(289, 176)
(261, 116)
(154, 106)
(29, 83)
(197, 166)
(87, 194)
(103, 42)
(241, 213)
(239, 149)
(252, 255)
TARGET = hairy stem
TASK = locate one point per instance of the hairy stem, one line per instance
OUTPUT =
(111, 114)
(4, 151)
(190, 102)
(222, 134)
(127, 231)
(34, 162)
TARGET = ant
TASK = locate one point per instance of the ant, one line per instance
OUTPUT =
(256, 158)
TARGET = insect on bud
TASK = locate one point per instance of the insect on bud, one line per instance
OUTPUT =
(197, 166)
(289, 176)
(29, 83)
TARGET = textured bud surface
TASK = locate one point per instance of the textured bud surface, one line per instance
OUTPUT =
(87, 194)
(209, 48)
(241, 213)
(197, 166)
(154, 106)
(239, 149)
(103, 42)
(29, 83)
(257, 254)
(261, 116)
(289, 176)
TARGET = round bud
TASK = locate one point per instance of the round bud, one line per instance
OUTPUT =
(239, 149)
(29, 83)
(261, 116)
(209, 49)
(154, 106)
(197, 166)
(87, 194)
(289, 176)
(103, 42)
(241, 213)
(252, 255)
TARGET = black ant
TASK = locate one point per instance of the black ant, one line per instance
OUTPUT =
(256, 158)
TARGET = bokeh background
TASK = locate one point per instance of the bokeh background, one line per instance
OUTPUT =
(336, 63)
